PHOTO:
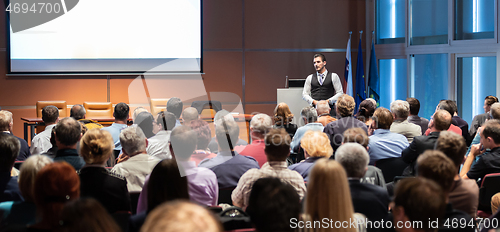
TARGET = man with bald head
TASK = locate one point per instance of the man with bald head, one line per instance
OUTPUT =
(189, 114)
(78, 112)
(323, 110)
(440, 121)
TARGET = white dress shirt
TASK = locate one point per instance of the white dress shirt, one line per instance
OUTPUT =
(41, 141)
(158, 145)
(337, 85)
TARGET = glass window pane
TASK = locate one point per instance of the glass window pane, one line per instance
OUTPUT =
(429, 81)
(474, 19)
(393, 81)
(428, 22)
(476, 80)
(390, 21)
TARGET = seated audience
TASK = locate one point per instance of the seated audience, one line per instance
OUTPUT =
(174, 106)
(316, 145)
(51, 153)
(78, 113)
(441, 121)
(259, 126)
(413, 115)
(323, 110)
(137, 111)
(310, 117)
(189, 114)
(68, 133)
(108, 188)
(283, 118)
(365, 111)
(489, 162)
(181, 216)
(24, 212)
(228, 165)
(328, 196)
(162, 127)
(9, 150)
(458, 121)
(121, 116)
(41, 141)
(273, 204)
(139, 164)
(368, 199)
(436, 166)
(383, 143)
(480, 119)
(222, 116)
(345, 108)
(165, 184)
(277, 150)
(145, 120)
(86, 214)
(464, 194)
(204, 134)
(495, 114)
(6, 125)
(448, 106)
(400, 111)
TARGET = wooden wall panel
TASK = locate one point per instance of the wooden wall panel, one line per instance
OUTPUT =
(222, 23)
(223, 72)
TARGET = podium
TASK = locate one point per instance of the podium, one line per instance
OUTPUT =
(293, 98)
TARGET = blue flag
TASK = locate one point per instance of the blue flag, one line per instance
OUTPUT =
(360, 79)
(373, 80)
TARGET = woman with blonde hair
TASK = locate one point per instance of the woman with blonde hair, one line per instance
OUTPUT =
(108, 188)
(283, 118)
(329, 196)
(316, 145)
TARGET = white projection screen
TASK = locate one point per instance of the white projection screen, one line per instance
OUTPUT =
(104, 36)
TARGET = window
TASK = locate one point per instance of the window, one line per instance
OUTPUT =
(390, 21)
(393, 79)
(474, 19)
(428, 22)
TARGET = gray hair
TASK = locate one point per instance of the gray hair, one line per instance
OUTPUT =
(28, 172)
(323, 107)
(309, 114)
(223, 116)
(137, 111)
(133, 140)
(400, 108)
(189, 114)
(261, 123)
(354, 158)
(495, 110)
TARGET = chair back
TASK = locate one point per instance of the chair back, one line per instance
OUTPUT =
(391, 167)
(98, 109)
(201, 105)
(225, 195)
(61, 105)
(157, 105)
(490, 185)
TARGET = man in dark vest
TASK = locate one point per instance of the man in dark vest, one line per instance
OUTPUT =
(322, 85)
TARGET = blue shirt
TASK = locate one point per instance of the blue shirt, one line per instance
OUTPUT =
(115, 129)
(302, 130)
(304, 167)
(384, 144)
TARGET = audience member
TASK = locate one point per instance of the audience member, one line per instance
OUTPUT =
(441, 122)
(189, 114)
(316, 145)
(310, 118)
(479, 119)
(464, 194)
(121, 116)
(24, 212)
(400, 111)
(145, 121)
(368, 199)
(220, 117)
(166, 183)
(277, 149)
(345, 107)
(283, 118)
(6, 124)
(174, 106)
(68, 133)
(413, 116)
(259, 126)
(383, 143)
(137, 111)
(109, 188)
(51, 153)
(434, 165)
(328, 196)
(79, 113)
(462, 124)
(365, 111)
(41, 141)
(273, 204)
(162, 127)
(139, 164)
(181, 216)
(323, 109)
(417, 202)
(489, 162)
(447, 105)
(86, 214)
(204, 134)
(9, 150)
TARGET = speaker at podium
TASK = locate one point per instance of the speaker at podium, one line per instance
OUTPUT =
(292, 96)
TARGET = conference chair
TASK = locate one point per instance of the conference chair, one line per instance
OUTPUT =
(61, 105)
(98, 109)
(157, 105)
(490, 185)
(207, 109)
(391, 167)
